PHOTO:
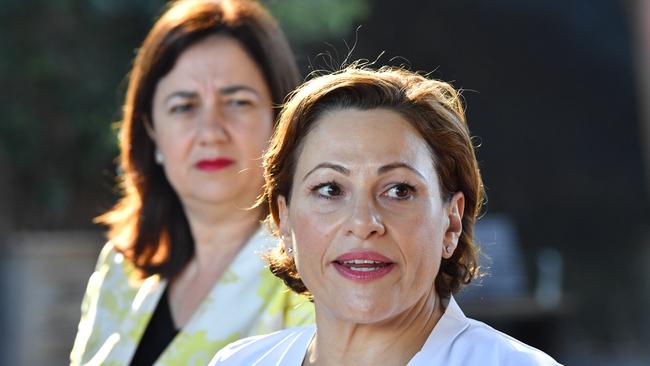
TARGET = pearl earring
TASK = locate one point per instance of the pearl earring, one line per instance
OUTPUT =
(159, 157)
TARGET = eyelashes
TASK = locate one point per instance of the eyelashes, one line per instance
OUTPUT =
(239, 103)
(401, 191)
(331, 190)
(181, 108)
(190, 105)
(327, 190)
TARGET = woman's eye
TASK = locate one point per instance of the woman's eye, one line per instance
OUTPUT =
(181, 108)
(401, 191)
(239, 102)
(328, 190)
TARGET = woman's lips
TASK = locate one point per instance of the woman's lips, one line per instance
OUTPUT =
(363, 266)
(214, 164)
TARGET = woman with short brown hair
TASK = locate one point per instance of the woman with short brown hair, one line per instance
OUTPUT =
(374, 188)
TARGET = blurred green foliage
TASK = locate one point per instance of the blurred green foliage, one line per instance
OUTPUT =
(62, 72)
(62, 68)
(307, 21)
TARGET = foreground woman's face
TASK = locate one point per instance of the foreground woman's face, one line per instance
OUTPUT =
(366, 217)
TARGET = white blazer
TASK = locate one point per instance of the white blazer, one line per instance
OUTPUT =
(455, 340)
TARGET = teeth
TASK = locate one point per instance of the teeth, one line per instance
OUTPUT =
(364, 269)
(361, 261)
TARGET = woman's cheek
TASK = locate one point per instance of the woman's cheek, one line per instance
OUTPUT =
(314, 234)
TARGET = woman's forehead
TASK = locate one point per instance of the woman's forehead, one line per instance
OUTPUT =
(364, 137)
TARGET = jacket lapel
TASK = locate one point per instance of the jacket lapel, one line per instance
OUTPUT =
(132, 329)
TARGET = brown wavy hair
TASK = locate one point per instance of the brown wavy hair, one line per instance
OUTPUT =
(148, 224)
(434, 108)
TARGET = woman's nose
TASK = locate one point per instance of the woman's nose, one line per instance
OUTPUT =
(212, 127)
(365, 220)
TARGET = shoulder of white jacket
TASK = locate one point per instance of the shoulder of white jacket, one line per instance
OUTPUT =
(513, 351)
(239, 351)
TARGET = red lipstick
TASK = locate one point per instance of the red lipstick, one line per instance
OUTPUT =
(212, 165)
(363, 266)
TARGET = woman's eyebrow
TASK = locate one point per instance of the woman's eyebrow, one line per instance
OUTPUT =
(396, 165)
(336, 167)
(183, 94)
(228, 90)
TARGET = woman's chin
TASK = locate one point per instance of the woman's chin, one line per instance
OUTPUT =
(219, 196)
(363, 312)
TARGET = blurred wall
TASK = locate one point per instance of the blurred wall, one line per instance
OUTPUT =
(641, 21)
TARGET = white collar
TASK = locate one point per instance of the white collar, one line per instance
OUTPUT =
(451, 324)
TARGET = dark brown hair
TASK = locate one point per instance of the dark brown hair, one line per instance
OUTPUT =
(432, 107)
(148, 224)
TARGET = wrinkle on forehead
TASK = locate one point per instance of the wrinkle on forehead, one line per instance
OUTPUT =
(364, 140)
(213, 65)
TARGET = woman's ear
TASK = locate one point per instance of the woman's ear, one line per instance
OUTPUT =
(158, 156)
(284, 226)
(454, 213)
(148, 126)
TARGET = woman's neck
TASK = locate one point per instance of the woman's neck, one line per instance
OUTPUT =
(391, 342)
(218, 237)
(219, 232)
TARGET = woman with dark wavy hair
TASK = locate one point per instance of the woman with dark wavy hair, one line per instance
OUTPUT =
(180, 276)
(374, 188)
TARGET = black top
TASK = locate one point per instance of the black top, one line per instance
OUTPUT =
(159, 333)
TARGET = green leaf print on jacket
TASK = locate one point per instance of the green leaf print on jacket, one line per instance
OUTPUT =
(294, 309)
(268, 290)
(246, 301)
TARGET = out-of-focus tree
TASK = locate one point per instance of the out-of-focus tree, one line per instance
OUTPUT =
(63, 70)
(62, 62)
(318, 20)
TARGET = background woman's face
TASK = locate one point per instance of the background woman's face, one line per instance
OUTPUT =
(366, 217)
(212, 119)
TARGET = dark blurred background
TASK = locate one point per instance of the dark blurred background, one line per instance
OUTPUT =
(557, 94)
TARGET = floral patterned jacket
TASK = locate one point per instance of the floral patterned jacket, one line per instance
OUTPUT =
(247, 300)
